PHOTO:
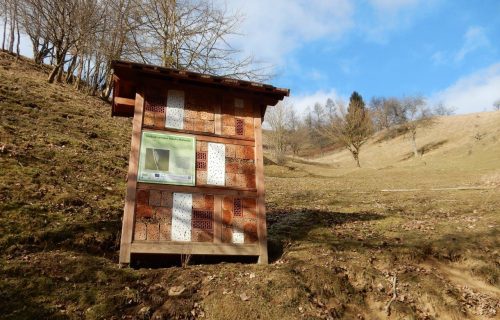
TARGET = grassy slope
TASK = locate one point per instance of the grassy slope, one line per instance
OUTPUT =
(335, 238)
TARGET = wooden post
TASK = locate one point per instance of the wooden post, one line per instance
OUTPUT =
(128, 212)
(259, 180)
(218, 218)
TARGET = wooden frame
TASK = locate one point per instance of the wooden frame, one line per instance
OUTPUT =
(246, 199)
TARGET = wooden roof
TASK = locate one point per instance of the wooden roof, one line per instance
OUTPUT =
(135, 73)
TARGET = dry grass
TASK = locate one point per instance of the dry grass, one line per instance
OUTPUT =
(336, 239)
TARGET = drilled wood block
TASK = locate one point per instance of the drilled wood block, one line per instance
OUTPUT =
(166, 199)
(149, 119)
(227, 203)
(198, 201)
(249, 208)
(140, 231)
(199, 125)
(240, 181)
(227, 217)
(165, 232)
(250, 230)
(201, 178)
(199, 235)
(248, 153)
(201, 146)
(238, 223)
(189, 124)
(240, 152)
(227, 234)
(232, 167)
(230, 150)
(228, 120)
(249, 129)
(143, 211)
(159, 120)
(228, 130)
(209, 201)
(209, 126)
(246, 168)
(155, 198)
(163, 214)
(153, 232)
(206, 115)
(190, 113)
(142, 197)
(249, 180)
(231, 180)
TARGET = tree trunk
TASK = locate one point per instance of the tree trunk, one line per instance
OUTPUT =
(414, 144)
(4, 32)
(79, 73)
(18, 49)
(13, 18)
(355, 155)
(71, 69)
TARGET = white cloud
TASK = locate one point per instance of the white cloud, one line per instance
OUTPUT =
(272, 29)
(392, 5)
(474, 38)
(473, 93)
(303, 101)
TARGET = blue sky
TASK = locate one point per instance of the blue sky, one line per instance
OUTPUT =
(448, 51)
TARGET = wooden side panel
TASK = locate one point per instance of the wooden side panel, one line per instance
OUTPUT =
(259, 179)
(128, 212)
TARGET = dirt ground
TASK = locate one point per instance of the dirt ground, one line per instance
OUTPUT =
(395, 240)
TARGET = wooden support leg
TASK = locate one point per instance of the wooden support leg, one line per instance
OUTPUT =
(128, 211)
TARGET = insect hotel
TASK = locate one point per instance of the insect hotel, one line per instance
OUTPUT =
(195, 178)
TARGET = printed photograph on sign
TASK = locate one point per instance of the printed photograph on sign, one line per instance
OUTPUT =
(167, 158)
(157, 159)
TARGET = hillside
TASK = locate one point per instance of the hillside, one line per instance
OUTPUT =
(460, 140)
(337, 241)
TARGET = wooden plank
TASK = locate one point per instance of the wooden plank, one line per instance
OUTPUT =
(194, 248)
(128, 212)
(125, 101)
(259, 180)
(218, 218)
(209, 137)
(218, 116)
(215, 190)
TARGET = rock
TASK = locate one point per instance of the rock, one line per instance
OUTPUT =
(176, 291)
(244, 297)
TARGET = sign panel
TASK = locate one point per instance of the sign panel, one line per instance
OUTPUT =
(167, 158)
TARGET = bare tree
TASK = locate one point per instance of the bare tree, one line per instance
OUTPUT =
(442, 110)
(278, 119)
(415, 114)
(351, 128)
(297, 132)
(496, 105)
(385, 112)
(191, 35)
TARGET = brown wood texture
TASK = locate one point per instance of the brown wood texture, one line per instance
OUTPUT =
(195, 248)
(128, 212)
(218, 218)
(259, 179)
(210, 137)
(199, 189)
